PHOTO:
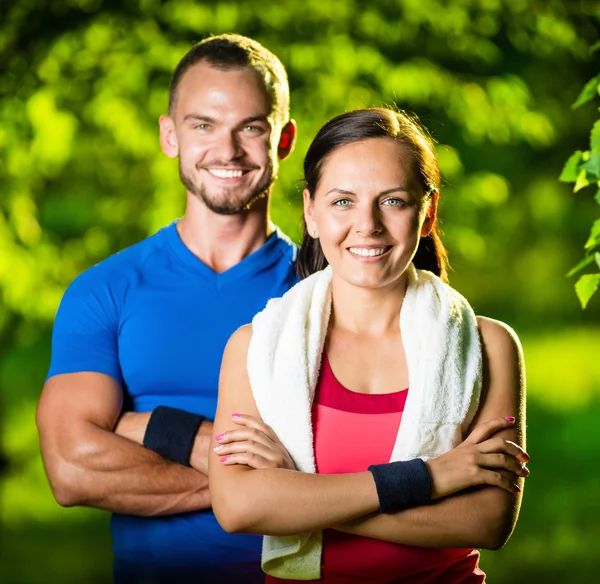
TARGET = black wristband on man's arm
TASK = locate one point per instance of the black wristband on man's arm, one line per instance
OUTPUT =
(171, 433)
(401, 485)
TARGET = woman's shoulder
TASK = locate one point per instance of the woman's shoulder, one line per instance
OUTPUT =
(499, 339)
(238, 342)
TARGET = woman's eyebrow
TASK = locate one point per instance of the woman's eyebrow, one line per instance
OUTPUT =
(387, 192)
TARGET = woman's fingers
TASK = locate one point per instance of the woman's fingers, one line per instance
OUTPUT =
(498, 444)
(484, 430)
(245, 446)
(254, 423)
(248, 459)
(253, 454)
(253, 444)
(498, 478)
(244, 434)
(504, 462)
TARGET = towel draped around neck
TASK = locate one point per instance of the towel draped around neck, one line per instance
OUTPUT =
(443, 354)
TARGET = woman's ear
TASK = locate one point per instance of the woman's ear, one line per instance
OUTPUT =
(168, 137)
(430, 213)
(309, 217)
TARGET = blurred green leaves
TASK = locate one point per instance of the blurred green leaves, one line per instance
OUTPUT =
(583, 168)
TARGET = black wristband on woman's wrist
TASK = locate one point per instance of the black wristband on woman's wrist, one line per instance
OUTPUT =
(401, 485)
(171, 432)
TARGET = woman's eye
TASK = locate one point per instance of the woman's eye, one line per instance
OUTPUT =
(342, 203)
(395, 202)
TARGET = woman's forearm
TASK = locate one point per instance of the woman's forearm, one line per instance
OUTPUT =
(478, 518)
(286, 502)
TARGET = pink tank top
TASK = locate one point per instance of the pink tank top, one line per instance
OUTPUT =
(351, 432)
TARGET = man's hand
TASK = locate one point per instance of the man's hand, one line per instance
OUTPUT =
(132, 425)
(199, 454)
(255, 445)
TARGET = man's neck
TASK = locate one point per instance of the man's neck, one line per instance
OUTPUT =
(222, 241)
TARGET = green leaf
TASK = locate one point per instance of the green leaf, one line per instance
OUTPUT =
(588, 92)
(594, 238)
(595, 137)
(581, 181)
(592, 166)
(582, 264)
(585, 287)
(595, 47)
(571, 169)
(597, 196)
(597, 258)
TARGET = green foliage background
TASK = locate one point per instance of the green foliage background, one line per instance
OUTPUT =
(82, 84)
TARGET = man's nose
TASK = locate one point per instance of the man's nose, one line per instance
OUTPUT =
(228, 146)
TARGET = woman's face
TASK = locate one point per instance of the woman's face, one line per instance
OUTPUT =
(369, 212)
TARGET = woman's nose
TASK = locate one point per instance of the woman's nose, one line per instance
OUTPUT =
(368, 221)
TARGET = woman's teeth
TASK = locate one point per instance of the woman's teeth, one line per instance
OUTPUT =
(360, 251)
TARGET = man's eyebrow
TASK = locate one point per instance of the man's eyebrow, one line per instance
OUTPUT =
(345, 192)
(199, 118)
(251, 119)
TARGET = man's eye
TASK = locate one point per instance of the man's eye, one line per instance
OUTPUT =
(201, 127)
(253, 129)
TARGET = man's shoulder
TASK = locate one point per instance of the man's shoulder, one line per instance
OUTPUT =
(118, 267)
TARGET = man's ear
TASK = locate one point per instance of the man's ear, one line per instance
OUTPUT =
(287, 140)
(168, 138)
(431, 213)
(309, 217)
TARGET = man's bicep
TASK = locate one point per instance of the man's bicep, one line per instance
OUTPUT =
(72, 398)
(85, 332)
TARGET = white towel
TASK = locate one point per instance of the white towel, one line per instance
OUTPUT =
(443, 354)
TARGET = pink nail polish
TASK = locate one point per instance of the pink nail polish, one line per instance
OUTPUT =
(509, 418)
(224, 458)
(219, 437)
(235, 416)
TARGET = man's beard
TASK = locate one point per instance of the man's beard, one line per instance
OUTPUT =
(228, 203)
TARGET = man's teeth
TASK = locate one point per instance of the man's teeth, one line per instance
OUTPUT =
(223, 173)
(367, 252)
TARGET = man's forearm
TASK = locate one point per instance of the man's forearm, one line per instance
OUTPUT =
(481, 518)
(109, 472)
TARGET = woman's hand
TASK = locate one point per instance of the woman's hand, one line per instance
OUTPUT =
(254, 445)
(480, 460)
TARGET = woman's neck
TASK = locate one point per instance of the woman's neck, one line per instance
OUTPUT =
(367, 311)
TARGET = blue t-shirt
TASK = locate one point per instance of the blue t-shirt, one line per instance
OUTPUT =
(157, 319)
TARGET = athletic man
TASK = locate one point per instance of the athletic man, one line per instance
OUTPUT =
(149, 325)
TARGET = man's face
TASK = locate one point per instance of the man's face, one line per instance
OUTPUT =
(225, 137)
